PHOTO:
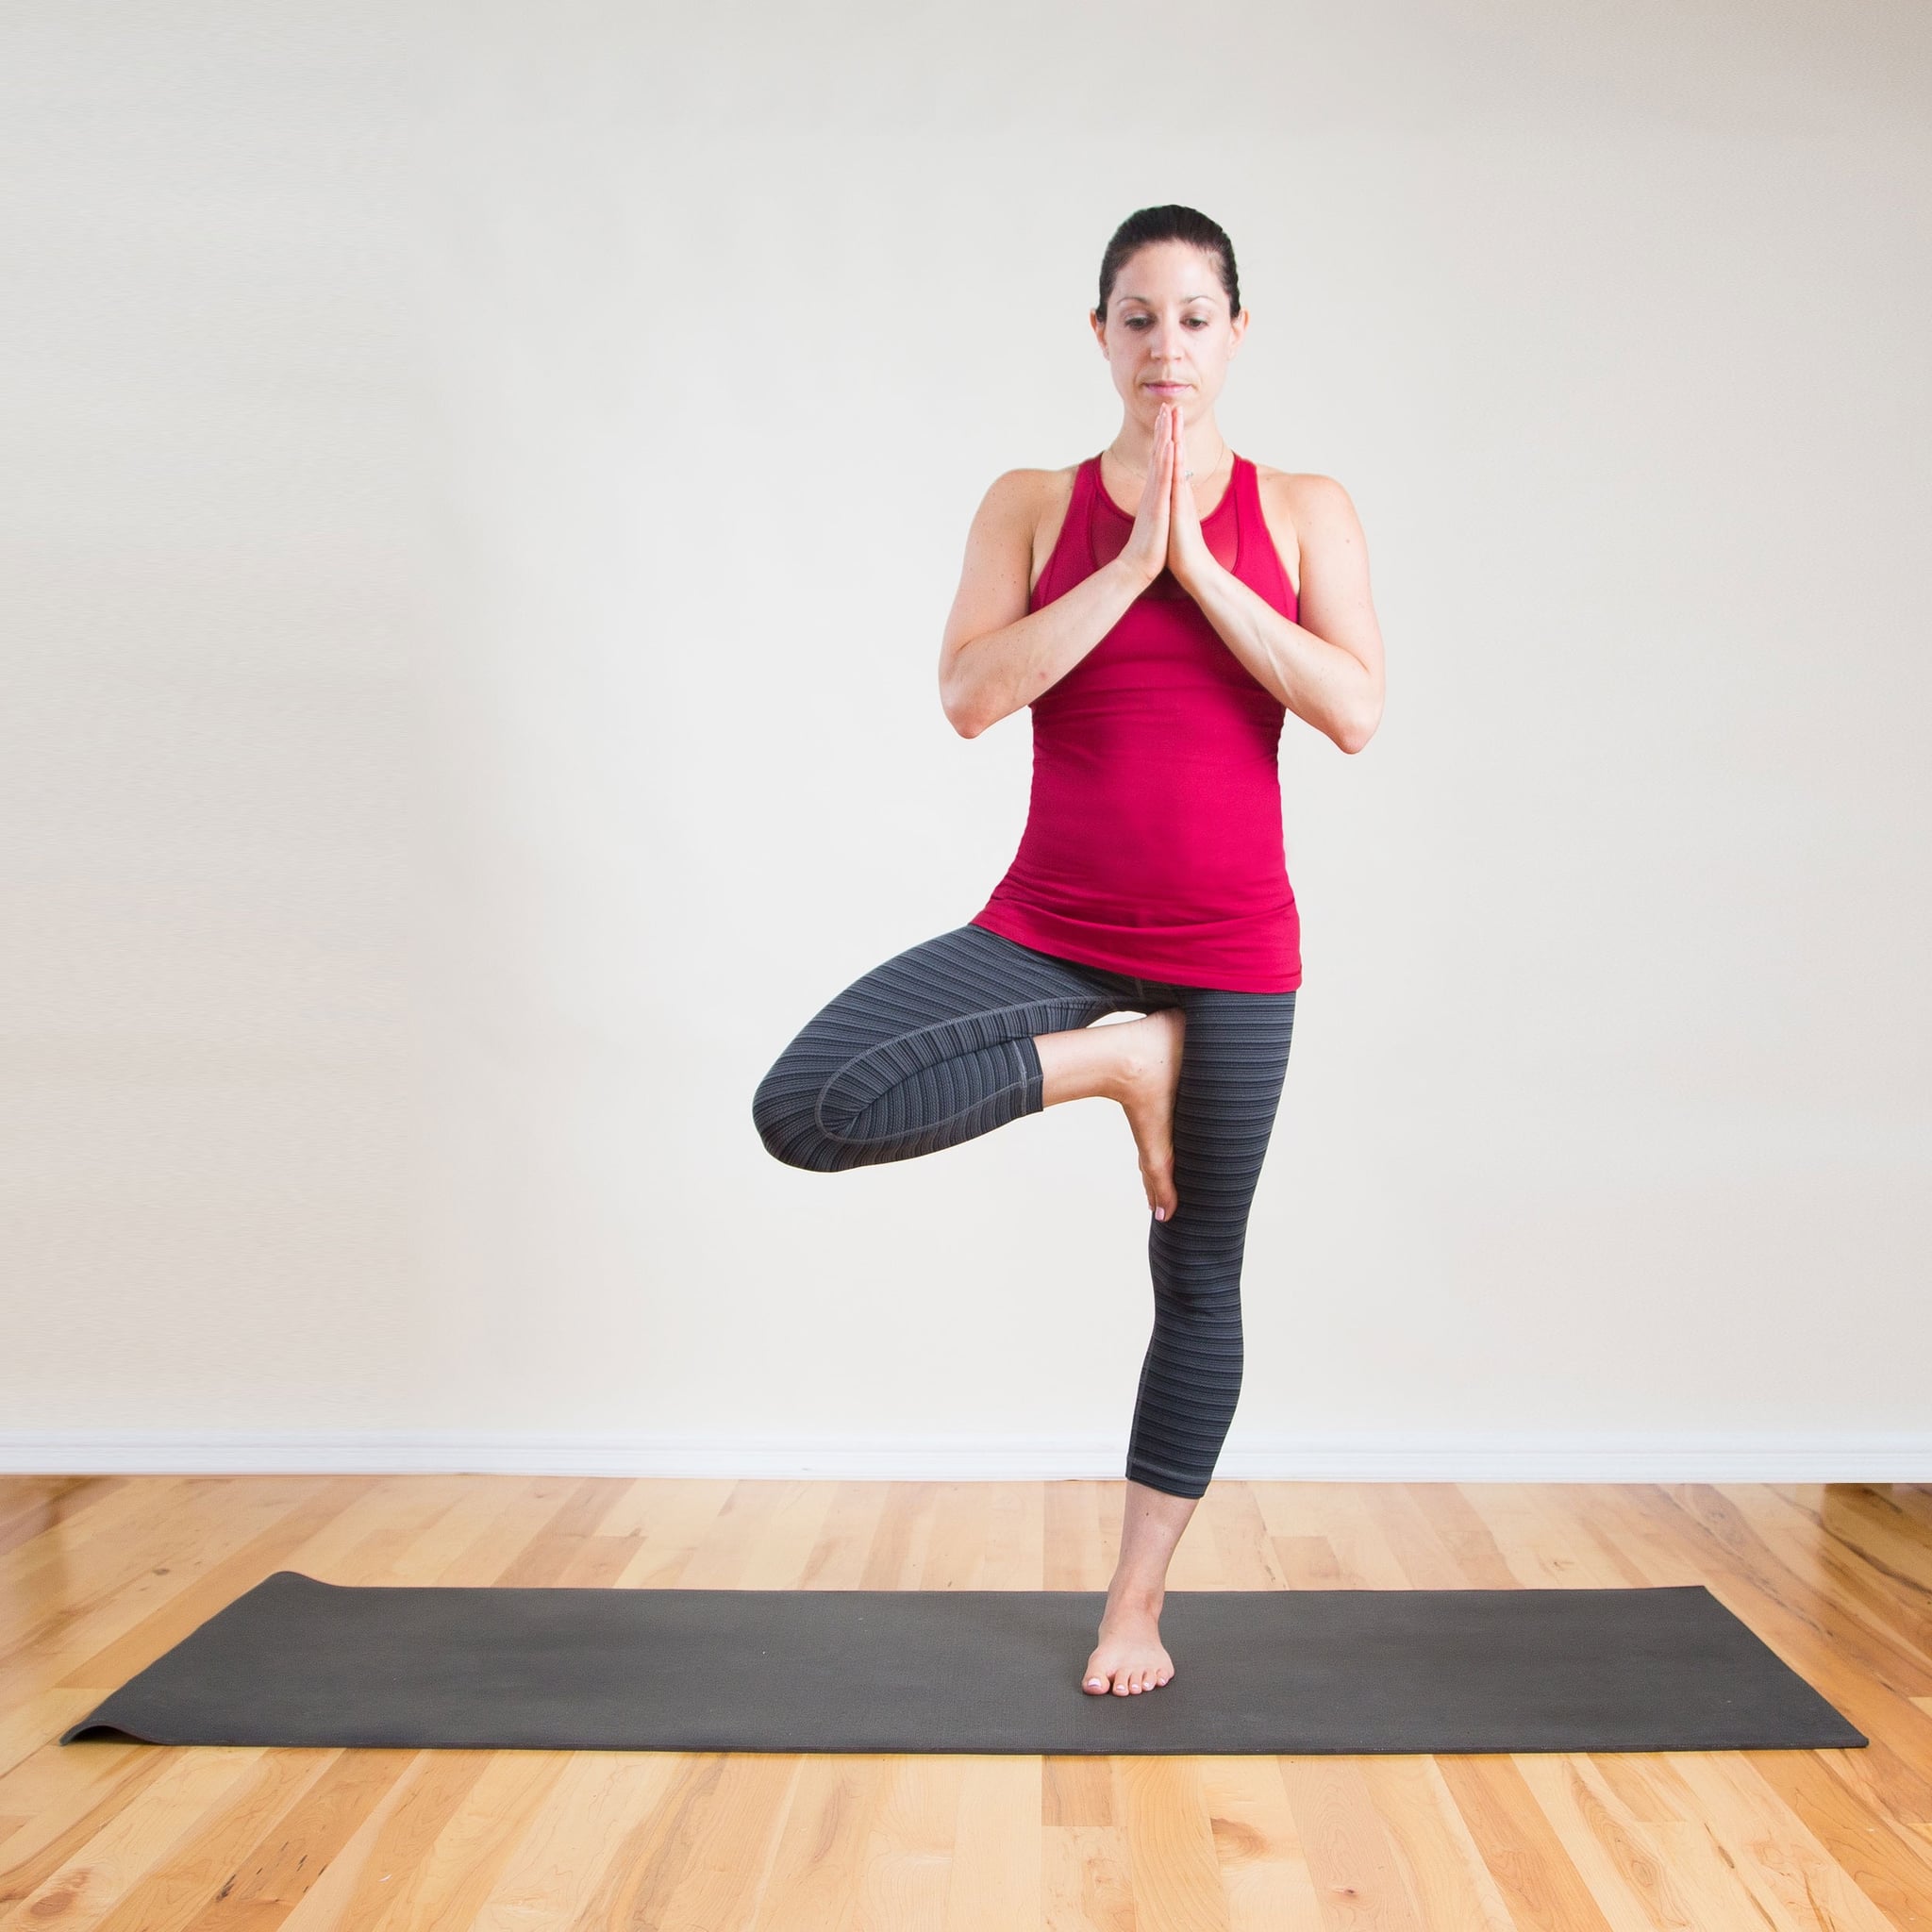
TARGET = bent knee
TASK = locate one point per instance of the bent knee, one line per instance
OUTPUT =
(786, 1114)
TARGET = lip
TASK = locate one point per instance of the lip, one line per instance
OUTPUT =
(1165, 388)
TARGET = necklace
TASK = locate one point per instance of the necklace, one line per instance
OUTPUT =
(1187, 475)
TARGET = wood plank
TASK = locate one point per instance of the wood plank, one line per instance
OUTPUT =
(452, 1873)
(1884, 1856)
(569, 1865)
(1442, 1864)
(907, 1865)
(999, 1855)
(175, 1891)
(726, 1842)
(1775, 1855)
(838, 1559)
(50, 1505)
(203, 1591)
(1172, 1850)
(1352, 1859)
(1606, 1813)
(1521, 1850)
(72, 1812)
(1264, 1872)
(85, 1887)
(391, 1839)
(276, 1873)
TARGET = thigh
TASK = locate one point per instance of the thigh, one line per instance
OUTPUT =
(1234, 1062)
(931, 1047)
(994, 984)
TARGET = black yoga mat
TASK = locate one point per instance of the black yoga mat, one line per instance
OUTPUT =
(300, 1662)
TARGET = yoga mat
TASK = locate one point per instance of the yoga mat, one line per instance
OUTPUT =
(295, 1661)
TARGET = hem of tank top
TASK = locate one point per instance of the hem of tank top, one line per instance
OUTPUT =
(1005, 897)
(1124, 973)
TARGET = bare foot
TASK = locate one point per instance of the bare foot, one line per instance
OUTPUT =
(1130, 1657)
(1148, 1083)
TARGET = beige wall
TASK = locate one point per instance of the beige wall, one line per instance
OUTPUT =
(482, 489)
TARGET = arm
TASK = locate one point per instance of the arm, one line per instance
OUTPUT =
(996, 657)
(1327, 668)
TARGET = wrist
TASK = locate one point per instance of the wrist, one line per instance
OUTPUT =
(1192, 577)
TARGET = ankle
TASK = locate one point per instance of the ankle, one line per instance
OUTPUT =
(1136, 1063)
(1135, 1596)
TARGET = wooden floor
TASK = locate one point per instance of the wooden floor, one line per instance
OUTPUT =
(98, 1576)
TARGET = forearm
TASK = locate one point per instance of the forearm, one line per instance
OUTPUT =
(1321, 683)
(991, 676)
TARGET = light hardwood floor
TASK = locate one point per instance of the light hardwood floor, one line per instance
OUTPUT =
(98, 1576)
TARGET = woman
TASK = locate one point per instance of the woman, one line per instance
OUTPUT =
(1159, 651)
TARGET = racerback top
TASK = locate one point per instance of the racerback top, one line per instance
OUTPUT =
(1153, 842)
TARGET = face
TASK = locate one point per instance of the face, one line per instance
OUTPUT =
(1167, 336)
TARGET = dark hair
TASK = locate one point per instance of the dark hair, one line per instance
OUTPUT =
(1171, 222)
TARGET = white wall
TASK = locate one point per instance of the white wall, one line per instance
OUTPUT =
(483, 486)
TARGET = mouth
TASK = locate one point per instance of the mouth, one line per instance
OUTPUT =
(1166, 388)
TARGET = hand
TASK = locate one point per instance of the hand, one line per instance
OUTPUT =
(1145, 550)
(1187, 555)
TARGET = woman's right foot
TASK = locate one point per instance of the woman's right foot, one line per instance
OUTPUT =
(1149, 1079)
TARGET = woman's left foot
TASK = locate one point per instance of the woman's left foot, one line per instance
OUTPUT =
(1130, 1657)
(1149, 1083)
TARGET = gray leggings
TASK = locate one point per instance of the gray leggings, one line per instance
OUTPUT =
(936, 1046)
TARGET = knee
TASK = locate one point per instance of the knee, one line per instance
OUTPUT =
(785, 1112)
(778, 1118)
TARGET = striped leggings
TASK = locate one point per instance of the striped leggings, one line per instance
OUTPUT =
(936, 1047)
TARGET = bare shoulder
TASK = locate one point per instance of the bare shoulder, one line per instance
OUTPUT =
(1030, 505)
(1013, 536)
(1031, 495)
(1304, 511)
(1302, 496)
(1331, 559)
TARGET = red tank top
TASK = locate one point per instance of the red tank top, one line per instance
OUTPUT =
(1153, 842)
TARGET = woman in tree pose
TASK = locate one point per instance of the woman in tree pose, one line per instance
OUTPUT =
(1159, 650)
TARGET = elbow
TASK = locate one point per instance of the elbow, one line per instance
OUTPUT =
(958, 708)
(966, 716)
(1356, 732)
(961, 719)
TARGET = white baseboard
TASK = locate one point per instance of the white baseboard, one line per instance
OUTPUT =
(1896, 1457)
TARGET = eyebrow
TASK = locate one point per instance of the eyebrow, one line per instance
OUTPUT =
(1185, 299)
